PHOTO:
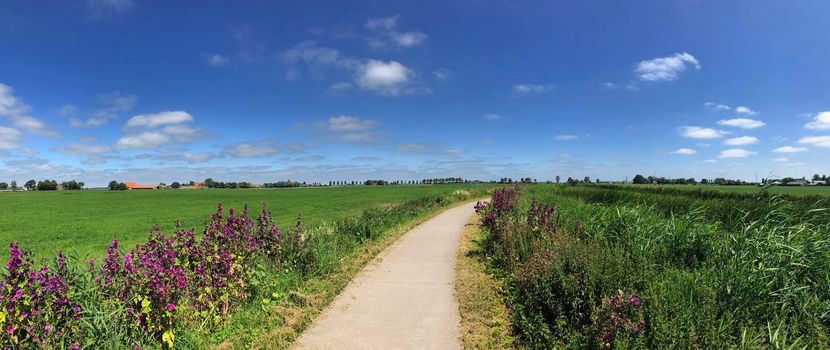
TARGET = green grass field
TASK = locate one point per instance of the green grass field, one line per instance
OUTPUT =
(88, 220)
(791, 190)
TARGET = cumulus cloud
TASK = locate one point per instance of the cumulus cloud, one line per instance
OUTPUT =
(820, 122)
(741, 140)
(665, 68)
(188, 157)
(441, 74)
(818, 141)
(696, 132)
(789, 149)
(383, 23)
(387, 78)
(157, 129)
(491, 116)
(347, 128)
(158, 119)
(735, 153)
(111, 105)
(685, 151)
(527, 89)
(566, 137)
(744, 123)
(83, 149)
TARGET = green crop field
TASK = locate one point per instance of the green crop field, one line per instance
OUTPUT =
(88, 220)
(790, 190)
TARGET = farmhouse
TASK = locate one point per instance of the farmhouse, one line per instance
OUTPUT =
(135, 186)
(798, 182)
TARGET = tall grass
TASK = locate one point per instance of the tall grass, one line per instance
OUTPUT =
(708, 271)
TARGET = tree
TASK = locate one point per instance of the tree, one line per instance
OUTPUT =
(47, 185)
(586, 180)
(175, 185)
(640, 179)
(557, 179)
(4, 186)
(122, 186)
(113, 185)
(72, 185)
(14, 185)
(30, 185)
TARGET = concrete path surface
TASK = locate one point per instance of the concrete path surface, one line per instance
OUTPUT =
(401, 300)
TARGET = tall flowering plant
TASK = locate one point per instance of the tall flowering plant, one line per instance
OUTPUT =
(36, 306)
(541, 217)
(619, 319)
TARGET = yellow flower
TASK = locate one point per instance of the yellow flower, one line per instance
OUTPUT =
(168, 338)
(2, 316)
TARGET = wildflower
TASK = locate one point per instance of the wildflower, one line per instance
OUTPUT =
(168, 338)
(171, 307)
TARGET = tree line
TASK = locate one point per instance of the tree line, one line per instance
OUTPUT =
(43, 185)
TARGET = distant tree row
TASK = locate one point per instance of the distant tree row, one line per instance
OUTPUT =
(640, 179)
(210, 183)
(279, 184)
(376, 182)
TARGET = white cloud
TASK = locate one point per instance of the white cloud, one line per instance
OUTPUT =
(526, 89)
(83, 149)
(385, 23)
(685, 151)
(110, 106)
(254, 149)
(144, 140)
(566, 137)
(349, 123)
(665, 68)
(818, 141)
(441, 74)
(386, 26)
(188, 157)
(17, 111)
(717, 106)
(696, 132)
(385, 77)
(781, 159)
(789, 149)
(735, 153)
(9, 138)
(741, 140)
(216, 60)
(820, 122)
(408, 39)
(745, 110)
(609, 85)
(710, 161)
(158, 119)
(309, 53)
(156, 129)
(491, 116)
(744, 123)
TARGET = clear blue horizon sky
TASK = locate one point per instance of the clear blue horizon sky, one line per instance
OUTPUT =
(151, 91)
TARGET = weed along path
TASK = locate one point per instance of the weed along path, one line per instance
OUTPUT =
(401, 300)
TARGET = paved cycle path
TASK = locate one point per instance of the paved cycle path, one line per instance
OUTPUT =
(403, 299)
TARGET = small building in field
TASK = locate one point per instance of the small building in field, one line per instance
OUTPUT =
(817, 183)
(135, 186)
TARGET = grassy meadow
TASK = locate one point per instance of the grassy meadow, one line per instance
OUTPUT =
(88, 220)
(662, 266)
(786, 190)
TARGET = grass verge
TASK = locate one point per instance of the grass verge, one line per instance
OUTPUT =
(484, 317)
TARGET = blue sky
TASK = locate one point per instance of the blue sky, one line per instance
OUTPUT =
(262, 91)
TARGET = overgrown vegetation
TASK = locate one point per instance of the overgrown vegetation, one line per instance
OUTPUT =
(187, 291)
(629, 267)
